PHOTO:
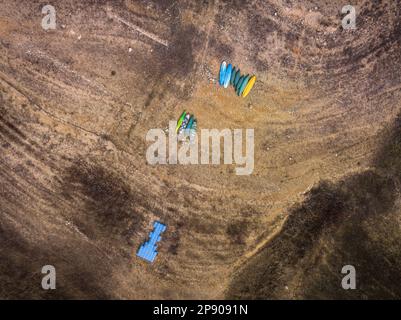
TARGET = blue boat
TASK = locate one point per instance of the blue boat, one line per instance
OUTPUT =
(227, 76)
(222, 73)
(147, 250)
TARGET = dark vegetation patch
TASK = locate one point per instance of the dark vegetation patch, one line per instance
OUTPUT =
(220, 49)
(109, 209)
(173, 238)
(372, 245)
(22, 261)
(261, 27)
(202, 225)
(249, 211)
(170, 69)
(13, 128)
(388, 159)
(238, 231)
(179, 58)
(354, 221)
(175, 243)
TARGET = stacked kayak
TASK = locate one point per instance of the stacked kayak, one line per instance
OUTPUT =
(187, 124)
(148, 250)
(230, 75)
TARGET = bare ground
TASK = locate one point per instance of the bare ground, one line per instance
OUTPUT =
(76, 190)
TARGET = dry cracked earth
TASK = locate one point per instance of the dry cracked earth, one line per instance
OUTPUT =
(77, 192)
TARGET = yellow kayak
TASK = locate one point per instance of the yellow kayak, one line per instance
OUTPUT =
(249, 86)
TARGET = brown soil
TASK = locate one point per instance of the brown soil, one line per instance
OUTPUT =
(76, 191)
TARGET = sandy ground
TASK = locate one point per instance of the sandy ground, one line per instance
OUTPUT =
(77, 192)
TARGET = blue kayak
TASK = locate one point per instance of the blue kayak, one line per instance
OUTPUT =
(222, 73)
(227, 76)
